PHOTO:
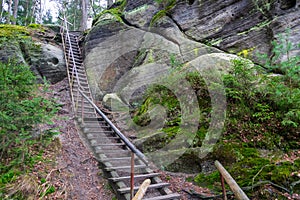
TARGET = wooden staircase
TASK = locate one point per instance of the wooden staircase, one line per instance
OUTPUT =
(112, 149)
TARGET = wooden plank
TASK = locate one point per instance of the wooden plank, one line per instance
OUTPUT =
(93, 119)
(118, 152)
(115, 159)
(107, 144)
(165, 197)
(152, 186)
(135, 176)
(125, 167)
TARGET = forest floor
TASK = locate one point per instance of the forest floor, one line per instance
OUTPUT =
(75, 174)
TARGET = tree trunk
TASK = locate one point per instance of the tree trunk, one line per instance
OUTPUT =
(1, 9)
(109, 3)
(84, 12)
(9, 12)
(40, 13)
(15, 11)
(27, 13)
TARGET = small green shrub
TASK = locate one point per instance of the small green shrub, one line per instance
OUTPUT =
(167, 6)
(22, 108)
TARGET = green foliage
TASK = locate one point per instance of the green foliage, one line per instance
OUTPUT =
(167, 6)
(22, 108)
(263, 6)
(117, 12)
(250, 168)
(240, 82)
(162, 95)
(267, 104)
(13, 31)
(263, 112)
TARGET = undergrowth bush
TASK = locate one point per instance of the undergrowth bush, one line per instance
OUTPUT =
(263, 116)
(22, 107)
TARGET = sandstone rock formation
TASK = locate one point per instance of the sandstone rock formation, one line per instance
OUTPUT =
(50, 63)
(230, 25)
(125, 54)
(113, 48)
(188, 30)
(43, 55)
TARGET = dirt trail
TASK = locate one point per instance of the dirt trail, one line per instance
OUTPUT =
(77, 170)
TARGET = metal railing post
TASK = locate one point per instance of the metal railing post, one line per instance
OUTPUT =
(82, 109)
(132, 176)
(223, 187)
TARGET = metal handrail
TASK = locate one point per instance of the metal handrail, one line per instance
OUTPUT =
(74, 69)
(71, 52)
(116, 130)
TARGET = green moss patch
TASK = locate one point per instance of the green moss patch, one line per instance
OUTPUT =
(249, 168)
(13, 30)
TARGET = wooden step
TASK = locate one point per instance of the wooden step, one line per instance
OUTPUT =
(95, 126)
(152, 186)
(77, 52)
(71, 65)
(165, 197)
(115, 159)
(151, 175)
(107, 144)
(89, 119)
(76, 87)
(106, 151)
(79, 73)
(125, 167)
(87, 113)
(103, 131)
(100, 136)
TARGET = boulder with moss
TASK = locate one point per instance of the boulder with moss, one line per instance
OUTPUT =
(35, 46)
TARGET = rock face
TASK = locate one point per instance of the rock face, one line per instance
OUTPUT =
(125, 54)
(233, 25)
(50, 63)
(113, 48)
(43, 55)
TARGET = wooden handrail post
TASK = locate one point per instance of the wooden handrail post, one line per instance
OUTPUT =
(238, 192)
(142, 190)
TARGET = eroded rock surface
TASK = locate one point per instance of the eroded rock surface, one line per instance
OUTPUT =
(43, 55)
(125, 54)
(230, 25)
(51, 63)
(113, 49)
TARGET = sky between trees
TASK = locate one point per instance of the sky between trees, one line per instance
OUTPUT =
(24, 12)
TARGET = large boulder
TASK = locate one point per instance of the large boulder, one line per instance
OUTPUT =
(50, 63)
(40, 51)
(125, 54)
(113, 48)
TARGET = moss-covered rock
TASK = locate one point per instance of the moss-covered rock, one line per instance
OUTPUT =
(35, 46)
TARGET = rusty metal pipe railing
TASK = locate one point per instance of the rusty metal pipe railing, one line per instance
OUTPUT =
(74, 68)
(238, 192)
(116, 130)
